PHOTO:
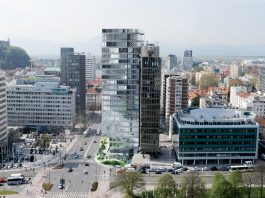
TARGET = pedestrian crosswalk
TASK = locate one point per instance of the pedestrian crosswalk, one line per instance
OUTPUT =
(63, 195)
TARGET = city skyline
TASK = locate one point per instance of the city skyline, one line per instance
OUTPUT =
(176, 23)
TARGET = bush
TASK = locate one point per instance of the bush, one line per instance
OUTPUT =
(94, 186)
(47, 186)
(113, 162)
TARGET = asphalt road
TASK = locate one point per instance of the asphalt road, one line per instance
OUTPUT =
(77, 181)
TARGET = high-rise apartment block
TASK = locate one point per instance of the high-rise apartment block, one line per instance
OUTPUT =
(90, 68)
(187, 61)
(46, 104)
(73, 75)
(177, 95)
(150, 98)
(121, 50)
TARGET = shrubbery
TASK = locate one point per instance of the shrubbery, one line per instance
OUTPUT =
(114, 162)
(94, 186)
(47, 186)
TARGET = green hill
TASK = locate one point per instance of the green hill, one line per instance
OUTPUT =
(12, 57)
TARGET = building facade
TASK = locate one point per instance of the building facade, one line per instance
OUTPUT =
(177, 95)
(262, 79)
(90, 68)
(121, 50)
(3, 115)
(235, 70)
(73, 75)
(150, 98)
(65, 51)
(240, 98)
(171, 61)
(187, 61)
(212, 101)
(43, 104)
(93, 99)
(215, 136)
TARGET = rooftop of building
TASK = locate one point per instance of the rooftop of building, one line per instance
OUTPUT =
(55, 69)
(215, 116)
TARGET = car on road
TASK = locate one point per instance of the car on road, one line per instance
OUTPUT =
(158, 172)
(86, 164)
(85, 143)
(224, 168)
(95, 141)
(61, 186)
(81, 149)
(70, 170)
(88, 156)
(85, 172)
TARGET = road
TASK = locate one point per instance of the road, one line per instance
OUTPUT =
(77, 181)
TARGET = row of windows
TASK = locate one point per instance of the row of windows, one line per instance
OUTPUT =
(38, 101)
(38, 97)
(29, 118)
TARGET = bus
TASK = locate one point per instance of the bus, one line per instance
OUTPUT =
(16, 179)
(241, 168)
(86, 132)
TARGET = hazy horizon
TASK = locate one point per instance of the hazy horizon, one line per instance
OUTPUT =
(179, 23)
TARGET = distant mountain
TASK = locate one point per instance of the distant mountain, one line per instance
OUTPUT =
(49, 49)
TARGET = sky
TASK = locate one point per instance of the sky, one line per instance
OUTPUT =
(182, 22)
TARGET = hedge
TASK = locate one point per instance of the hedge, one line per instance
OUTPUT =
(94, 186)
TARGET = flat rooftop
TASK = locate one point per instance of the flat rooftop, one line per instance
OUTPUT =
(219, 116)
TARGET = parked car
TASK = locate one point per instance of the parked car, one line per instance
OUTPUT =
(214, 168)
(86, 164)
(224, 168)
(158, 172)
(88, 156)
(70, 170)
(61, 186)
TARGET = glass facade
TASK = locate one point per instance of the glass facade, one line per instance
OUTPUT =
(194, 143)
(121, 50)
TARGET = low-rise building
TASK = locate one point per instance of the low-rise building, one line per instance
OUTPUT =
(212, 101)
(93, 99)
(214, 136)
(241, 99)
(42, 104)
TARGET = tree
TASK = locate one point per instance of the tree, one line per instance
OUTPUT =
(207, 81)
(221, 188)
(13, 57)
(198, 69)
(248, 181)
(166, 186)
(195, 101)
(235, 179)
(192, 186)
(129, 182)
(261, 177)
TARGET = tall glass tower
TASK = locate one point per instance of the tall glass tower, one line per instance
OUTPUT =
(121, 50)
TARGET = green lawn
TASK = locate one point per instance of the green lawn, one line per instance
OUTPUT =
(8, 192)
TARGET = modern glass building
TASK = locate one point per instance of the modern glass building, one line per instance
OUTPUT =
(150, 84)
(121, 49)
(215, 136)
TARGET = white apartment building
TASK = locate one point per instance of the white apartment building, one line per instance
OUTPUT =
(41, 104)
(90, 68)
(259, 105)
(200, 75)
(236, 70)
(240, 98)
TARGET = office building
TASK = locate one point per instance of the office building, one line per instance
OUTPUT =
(187, 61)
(90, 68)
(3, 115)
(55, 71)
(121, 50)
(42, 104)
(212, 101)
(171, 61)
(150, 98)
(177, 95)
(73, 75)
(215, 136)
(65, 51)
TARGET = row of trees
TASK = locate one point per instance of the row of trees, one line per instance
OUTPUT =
(237, 185)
